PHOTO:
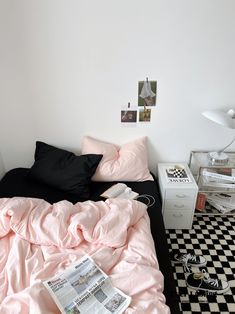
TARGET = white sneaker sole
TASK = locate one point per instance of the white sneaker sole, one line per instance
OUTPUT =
(210, 291)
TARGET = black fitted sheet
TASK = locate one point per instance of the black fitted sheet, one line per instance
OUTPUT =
(16, 183)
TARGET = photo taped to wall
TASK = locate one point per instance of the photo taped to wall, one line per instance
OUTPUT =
(129, 116)
(147, 93)
(144, 115)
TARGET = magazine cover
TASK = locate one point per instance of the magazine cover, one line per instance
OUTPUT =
(177, 174)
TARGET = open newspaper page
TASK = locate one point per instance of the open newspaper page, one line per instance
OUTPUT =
(85, 288)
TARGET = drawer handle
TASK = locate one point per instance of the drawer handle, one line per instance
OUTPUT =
(178, 215)
(180, 195)
(179, 206)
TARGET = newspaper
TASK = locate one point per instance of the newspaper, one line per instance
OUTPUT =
(85, 288)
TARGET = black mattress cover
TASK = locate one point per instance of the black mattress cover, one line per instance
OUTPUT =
(16, 183)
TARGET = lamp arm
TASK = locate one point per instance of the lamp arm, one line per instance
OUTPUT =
(223, 149)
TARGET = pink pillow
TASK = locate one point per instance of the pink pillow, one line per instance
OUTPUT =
(127, 163)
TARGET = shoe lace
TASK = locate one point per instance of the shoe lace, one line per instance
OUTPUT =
(185, 259)
(210, 281)
(192, 257)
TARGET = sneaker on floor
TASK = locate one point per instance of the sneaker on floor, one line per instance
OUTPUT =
(202, 281)
(188, 259)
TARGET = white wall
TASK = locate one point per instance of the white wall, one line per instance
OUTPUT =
(67, 67)
(2, 168)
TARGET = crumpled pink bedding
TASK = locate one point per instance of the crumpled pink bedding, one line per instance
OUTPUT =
(38, 240)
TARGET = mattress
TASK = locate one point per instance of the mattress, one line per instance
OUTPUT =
(15, 183)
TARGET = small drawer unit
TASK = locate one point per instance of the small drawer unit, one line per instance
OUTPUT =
(179, 194)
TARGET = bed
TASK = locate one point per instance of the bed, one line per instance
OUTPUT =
(19, 189)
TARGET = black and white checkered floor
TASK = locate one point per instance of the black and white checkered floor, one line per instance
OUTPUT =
(214, 238)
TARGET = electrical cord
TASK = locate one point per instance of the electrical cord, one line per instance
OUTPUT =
(150, 199)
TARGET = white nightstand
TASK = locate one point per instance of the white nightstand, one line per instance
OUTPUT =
(178, 197)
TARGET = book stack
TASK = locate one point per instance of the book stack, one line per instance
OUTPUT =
(223, 202)
(219, 178)
(223, 179)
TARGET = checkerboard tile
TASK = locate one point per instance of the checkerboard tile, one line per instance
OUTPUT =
(213, 237)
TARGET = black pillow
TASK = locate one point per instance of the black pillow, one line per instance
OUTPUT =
(64, 170)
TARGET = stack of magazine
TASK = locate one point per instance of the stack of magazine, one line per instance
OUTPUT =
(223, 202)
(221, 179)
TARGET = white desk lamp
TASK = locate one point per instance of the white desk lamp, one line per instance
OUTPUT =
(226, 119)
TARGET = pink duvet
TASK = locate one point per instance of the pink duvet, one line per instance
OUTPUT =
(38, 239)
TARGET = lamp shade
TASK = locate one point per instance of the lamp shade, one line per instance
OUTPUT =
(226, 119)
